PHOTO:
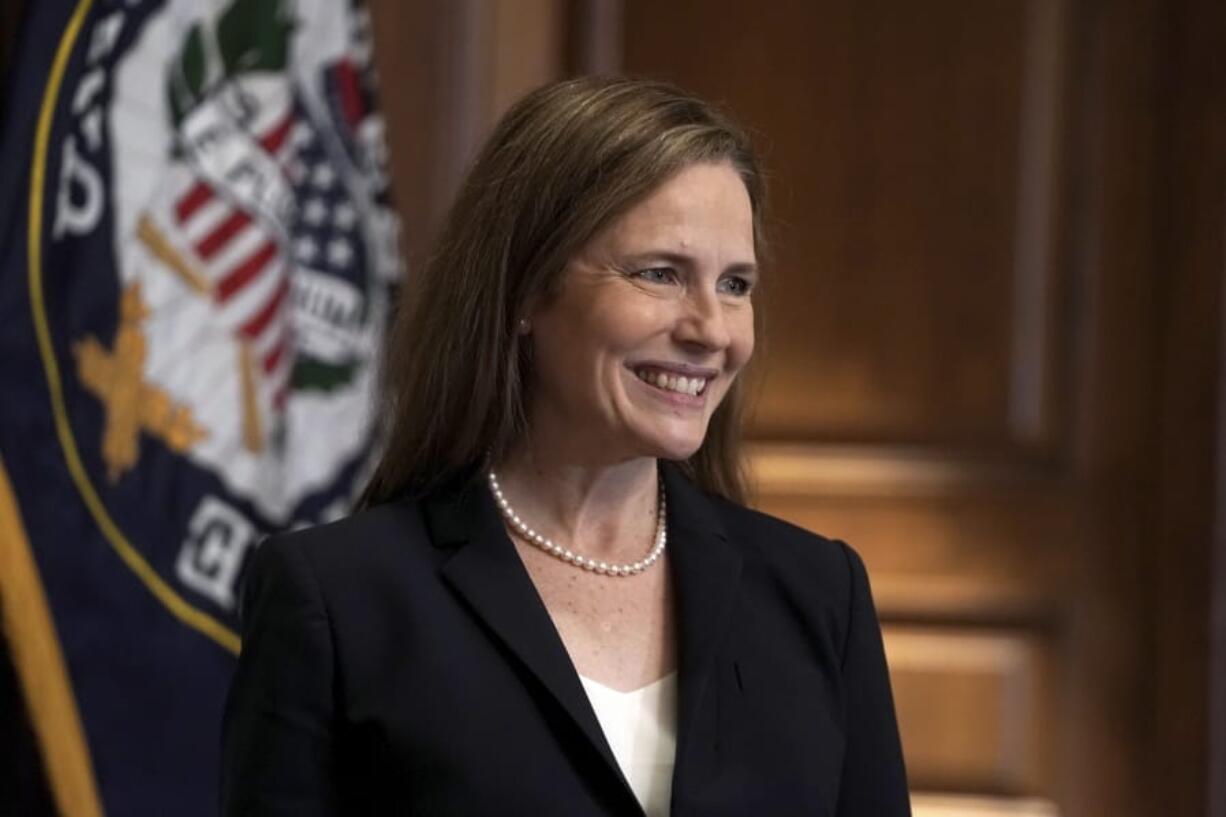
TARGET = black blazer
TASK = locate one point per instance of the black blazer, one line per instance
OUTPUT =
(401, 662)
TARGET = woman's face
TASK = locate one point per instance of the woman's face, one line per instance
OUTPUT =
(652, 322)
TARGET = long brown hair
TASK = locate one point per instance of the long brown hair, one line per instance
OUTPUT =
(564, 161)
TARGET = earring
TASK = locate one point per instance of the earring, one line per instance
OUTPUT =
(524, 326)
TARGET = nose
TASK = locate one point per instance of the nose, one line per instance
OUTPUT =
(702, 324)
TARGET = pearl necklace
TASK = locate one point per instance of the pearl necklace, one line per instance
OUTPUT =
(549, 546)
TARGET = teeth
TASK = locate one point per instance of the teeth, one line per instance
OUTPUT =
(684, 385)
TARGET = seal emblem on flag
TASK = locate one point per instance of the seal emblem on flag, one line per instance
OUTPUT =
(221, 180)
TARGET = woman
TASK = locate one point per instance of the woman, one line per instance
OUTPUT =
(554, 604)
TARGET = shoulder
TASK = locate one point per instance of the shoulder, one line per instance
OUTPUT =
(795, 578)
(386, 521)
(366, 532)
(311, 560)
(781, 540)
(793, 555)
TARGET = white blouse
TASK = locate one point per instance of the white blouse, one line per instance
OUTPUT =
(641, 728)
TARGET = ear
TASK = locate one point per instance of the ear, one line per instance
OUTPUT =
(524, 327)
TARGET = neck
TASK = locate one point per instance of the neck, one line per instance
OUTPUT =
(604, 509)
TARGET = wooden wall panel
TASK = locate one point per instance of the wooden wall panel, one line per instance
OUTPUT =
(968, 558)
(448, 70)
(929, 805)
(1192, 612)
(970, 706)
(909, 303)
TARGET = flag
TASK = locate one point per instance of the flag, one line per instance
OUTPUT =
(197, 256)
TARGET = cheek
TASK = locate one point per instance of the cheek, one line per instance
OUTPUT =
(742, 332)
(613, 333)
(555, 360)
(583, 358)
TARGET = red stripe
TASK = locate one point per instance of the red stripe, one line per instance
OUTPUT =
(201, 192)
(222, 234)
(274, 357)
(195, 198)
(279, 398)
(275, 138)
(350, 93)
(259, 322)
(246, 272)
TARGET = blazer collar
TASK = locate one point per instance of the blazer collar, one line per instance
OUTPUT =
(487, 573)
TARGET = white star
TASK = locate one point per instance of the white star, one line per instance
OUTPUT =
(344, 216)
(339, 252)
(314, 212)
(323, 176)
(305, 249)
(301, 134)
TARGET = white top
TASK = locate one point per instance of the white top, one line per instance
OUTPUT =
(641, 728)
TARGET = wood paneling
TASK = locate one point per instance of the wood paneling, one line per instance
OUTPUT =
(417, 89)
(928, 805)
(1192, 244)
(525, 44)
(906, 197)
(971, 706)
(594, 36)
(449, 69)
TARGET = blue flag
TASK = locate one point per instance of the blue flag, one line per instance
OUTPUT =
(196, 261)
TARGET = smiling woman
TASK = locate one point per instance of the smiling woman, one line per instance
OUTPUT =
(554, 603)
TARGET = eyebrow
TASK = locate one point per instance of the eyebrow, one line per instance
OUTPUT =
(680, 259)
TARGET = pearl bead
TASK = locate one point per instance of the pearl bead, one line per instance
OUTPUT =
(549, 546)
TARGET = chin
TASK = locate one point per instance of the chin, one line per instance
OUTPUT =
(672, 447)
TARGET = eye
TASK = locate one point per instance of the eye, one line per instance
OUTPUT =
(736, 285)
(657, 275)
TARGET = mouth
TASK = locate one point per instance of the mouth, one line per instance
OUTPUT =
(692, 384)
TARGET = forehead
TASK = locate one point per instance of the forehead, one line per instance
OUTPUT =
(697, 201)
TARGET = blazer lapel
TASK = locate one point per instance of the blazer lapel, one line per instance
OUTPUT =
(488, 574)
(706, 576)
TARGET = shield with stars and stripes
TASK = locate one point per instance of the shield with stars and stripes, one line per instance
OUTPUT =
(262, 246)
